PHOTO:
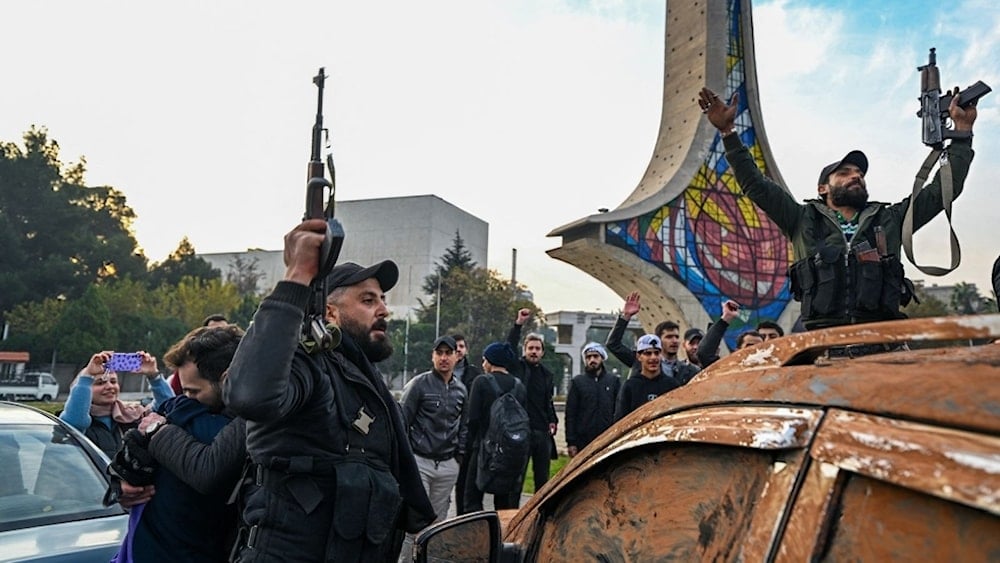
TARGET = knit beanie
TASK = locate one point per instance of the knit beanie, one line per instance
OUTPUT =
(499, 354)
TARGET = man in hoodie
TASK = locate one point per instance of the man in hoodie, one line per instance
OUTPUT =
(668, 332)
(650, 382)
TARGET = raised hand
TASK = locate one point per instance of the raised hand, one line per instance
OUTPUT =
(963, 118)
(721, 115)
(302, 246)
(148, 366)
(730, 310)
(522, 316)
(631, 305)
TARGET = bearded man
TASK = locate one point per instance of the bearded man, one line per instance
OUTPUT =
(590, 404)
(332, 474)
(847, 266)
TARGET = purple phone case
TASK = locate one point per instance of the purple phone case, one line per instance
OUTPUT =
(124, 362)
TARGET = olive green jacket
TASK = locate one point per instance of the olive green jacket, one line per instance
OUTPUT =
(812, 227)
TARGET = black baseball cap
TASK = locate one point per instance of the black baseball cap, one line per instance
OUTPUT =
(692, 333)
(349, 273)
(447, 341)
(857, 158)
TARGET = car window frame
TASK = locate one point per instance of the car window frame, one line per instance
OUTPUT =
(98, 463)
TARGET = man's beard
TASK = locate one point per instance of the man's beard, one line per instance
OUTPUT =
(217, 405)
(374, 350)
(593, 369)
(844, 196)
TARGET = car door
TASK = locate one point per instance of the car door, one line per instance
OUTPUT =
(881, 489)
(709, 483)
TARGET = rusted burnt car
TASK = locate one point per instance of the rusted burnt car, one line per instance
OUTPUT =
(783, 453)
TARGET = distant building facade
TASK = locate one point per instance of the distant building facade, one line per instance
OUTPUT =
(574, 329)
(412, 231)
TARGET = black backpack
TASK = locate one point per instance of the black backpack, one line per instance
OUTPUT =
(504, 452)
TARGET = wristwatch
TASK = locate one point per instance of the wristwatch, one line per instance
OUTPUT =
(153, 427)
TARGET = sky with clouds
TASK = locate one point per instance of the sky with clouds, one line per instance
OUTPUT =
(529, 114)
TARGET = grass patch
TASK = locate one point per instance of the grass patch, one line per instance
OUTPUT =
(50, 407)
(554, 467)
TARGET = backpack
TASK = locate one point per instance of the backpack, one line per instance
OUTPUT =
(504, 452)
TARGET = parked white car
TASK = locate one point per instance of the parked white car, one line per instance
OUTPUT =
(35, 386)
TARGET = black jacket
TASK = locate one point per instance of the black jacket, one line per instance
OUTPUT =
(108, 440)
(433, 414)
(470, 372)
(681, 371)
(708, 348)
(638, 390)
(539, 382)
(205, 467)
(481, 399)
(467, 373)
(590, 407)
(301, 410)
(833, 284)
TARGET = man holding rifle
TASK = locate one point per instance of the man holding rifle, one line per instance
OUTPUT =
(847, 266)
(332, 476)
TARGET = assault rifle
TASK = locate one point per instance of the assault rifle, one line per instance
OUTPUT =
(934, 107)
(934, 114)
(317, 335)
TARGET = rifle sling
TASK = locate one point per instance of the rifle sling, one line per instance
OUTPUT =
(947, 196)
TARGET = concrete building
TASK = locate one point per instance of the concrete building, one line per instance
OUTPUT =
(412, 231)
(573, 329)
(940, 292)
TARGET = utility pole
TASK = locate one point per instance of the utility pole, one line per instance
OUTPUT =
(437, 310)
(513, 272)
(406, 349)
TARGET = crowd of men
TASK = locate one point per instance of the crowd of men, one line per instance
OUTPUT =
(232, 461)
(262, 449)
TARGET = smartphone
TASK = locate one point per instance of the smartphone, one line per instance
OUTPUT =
(127, 362)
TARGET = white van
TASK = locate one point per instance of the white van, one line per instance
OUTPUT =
(35, 386)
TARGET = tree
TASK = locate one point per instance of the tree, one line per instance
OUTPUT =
(182, 262)
(135, 320)
(193, 299)
(244, 311)
(477, 303)
(966, 300)
(84, 328)
(245, 275)
(58, 235)
(929, 306)
(456, 257)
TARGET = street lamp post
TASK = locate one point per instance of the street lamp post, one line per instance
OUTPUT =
(437, 310)
(55, 343)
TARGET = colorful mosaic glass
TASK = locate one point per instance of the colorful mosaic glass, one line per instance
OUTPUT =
(711, 237)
